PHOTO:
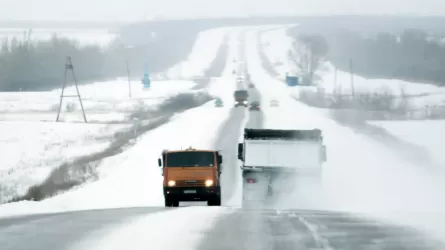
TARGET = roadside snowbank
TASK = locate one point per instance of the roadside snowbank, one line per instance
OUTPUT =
(429, 134)
(34, 149)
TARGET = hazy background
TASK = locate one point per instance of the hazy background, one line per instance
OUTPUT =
(134, 10)
(386, 39)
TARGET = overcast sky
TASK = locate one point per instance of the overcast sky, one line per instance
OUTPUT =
(130, 10)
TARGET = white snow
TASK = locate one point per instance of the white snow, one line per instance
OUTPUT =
(99, 99)
(429, 134)
(34, 149)
(35, 144)
(204, 51)
(276, 44)
(133, 178)
(164, 230)
(360, 175)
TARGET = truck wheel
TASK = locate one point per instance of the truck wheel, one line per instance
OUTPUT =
(176, 203)
(214, 201)
(218, 200)
(168, 202)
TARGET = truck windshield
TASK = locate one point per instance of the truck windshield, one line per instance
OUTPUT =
(241, 94)
(191, 159)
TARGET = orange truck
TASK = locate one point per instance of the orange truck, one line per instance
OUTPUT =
(191, 175)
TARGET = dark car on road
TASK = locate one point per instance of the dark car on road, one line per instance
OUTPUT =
(241, 97)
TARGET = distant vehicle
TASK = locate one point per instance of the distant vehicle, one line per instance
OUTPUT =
(240, 79)
(219, 103)
(273, 161)
(274, 103)
(240, 97)
(255, 105)
(191, 175)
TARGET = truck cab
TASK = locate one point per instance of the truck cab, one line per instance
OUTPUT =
(241, 97)
(191, 175)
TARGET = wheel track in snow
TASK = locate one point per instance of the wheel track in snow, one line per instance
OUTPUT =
(309, 230)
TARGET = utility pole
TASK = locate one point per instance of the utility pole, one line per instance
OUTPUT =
(69, 66)
(351, 71)
(128, 76)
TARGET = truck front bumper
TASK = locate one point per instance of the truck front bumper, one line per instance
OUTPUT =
(191, 193)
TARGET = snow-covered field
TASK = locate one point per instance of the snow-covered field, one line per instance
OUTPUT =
(278, 43)
(35, 144)
(33, 149)
(360, 175)
(103, 101)
(125, 178)
(429, 134)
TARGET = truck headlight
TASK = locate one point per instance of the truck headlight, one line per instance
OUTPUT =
(245, 102)
(171, 183)
(208, 183)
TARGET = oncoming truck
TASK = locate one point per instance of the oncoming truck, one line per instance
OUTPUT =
(240, 97)
(273, 161)
(191, 175)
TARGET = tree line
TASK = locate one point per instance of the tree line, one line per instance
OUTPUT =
(412, 55)
(27, 65)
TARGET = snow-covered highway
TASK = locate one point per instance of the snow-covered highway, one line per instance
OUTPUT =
(124, 209)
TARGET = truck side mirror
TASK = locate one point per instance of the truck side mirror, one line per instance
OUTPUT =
(220, 160)
(159, 162)
(323, 153)
(240, 151)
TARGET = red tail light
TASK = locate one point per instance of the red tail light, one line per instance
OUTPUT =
(251, 180)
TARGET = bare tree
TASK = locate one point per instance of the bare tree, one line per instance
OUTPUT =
(308, 54)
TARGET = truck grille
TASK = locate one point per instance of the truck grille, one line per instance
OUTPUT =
(190, 183)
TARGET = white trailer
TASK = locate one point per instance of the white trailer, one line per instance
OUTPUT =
(274, 160)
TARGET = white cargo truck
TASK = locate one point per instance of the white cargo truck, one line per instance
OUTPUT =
(274, 161)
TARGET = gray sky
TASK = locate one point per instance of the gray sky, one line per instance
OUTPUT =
(130, 10)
